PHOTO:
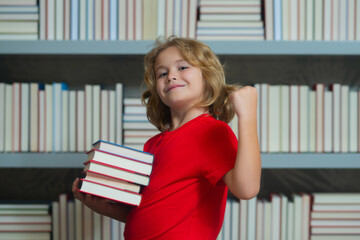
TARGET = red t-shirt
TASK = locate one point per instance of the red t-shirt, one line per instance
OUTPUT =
(186, 197)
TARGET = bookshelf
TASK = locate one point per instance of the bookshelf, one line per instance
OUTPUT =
(142, 47)
(269, 160)
(78, 62)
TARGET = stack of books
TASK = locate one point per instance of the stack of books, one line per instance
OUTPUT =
(116, 172)
(25, 220)
(19, 20)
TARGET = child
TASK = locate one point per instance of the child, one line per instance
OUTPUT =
(197, 156)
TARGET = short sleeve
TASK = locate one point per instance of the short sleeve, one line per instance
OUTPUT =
(217, 151)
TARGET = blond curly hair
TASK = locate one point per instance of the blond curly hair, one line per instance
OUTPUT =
(197, 54)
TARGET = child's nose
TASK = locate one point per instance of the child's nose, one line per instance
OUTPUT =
(171, 76)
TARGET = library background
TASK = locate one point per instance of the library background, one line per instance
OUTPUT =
(71, 73)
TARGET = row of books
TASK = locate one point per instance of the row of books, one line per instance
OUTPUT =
(291, 118)
(72, 220)
(301, 118)
(314, 216)
(137, 128)
(37, 117)
(116, 19)
(230, 20)
(329, 20)
(31, 221)
(116, 172)
(19, 22)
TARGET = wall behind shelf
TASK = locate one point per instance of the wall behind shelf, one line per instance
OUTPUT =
(46, 184)
(78, 70)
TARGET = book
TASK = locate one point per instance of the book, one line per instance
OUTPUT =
(124, 151)
(120, 161)
(119, 173)
(111, 181)
(110, 192)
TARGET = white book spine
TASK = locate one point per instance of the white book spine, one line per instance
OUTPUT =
(119, 112)
(161, 18)
(42, 20)
(319, 118)
(82, 19)
(16, 114)
(122, 24)
(184, 18)
(80, 128)
(264, 117)
(105, 34)
(130, 33)
(192, 18)
(78, 219)
(285, 20)
(25, 116)
(327, 19)
(67, 19)
(343, 24)
(251, 218)
(301, 20)
(303, 118)
(353, 121)
(243, 219)
(59, 20)
(318, 20)
(96, 112)
(328, 138)
(235, 210)
(351, 20)
(274, 118)
(312, 122)
(285, 118)
(112, 118)
(139, 8)
(335, 20)
(50, 20)
(34, 116)
(336, 117)
(89, 116)
(42, 122)
(293, 20)
(344, 118)
(294, 118)
(357, 23)
(309, 20)
(97, 19)
(269, 19)
(2, 117)
(49, 117)
(72, 121)
(57, 117)
(90, 20)
(8, 117)
(104, 116)
(96, 226)
(55, 220)
(65, 121)
(169, 18)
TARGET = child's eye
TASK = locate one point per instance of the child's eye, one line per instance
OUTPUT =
(183, 68)
(162, 74)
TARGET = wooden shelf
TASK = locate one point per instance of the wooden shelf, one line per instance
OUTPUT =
(219, 47)
(269, 161)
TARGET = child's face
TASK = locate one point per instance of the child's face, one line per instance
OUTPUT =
(178, 84)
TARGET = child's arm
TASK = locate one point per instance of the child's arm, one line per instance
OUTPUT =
(100, 205)
(244, 179)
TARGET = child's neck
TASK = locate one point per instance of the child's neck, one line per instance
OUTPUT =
(180, 118)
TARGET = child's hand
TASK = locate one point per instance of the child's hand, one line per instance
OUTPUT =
(244, 101)
(101, 205)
